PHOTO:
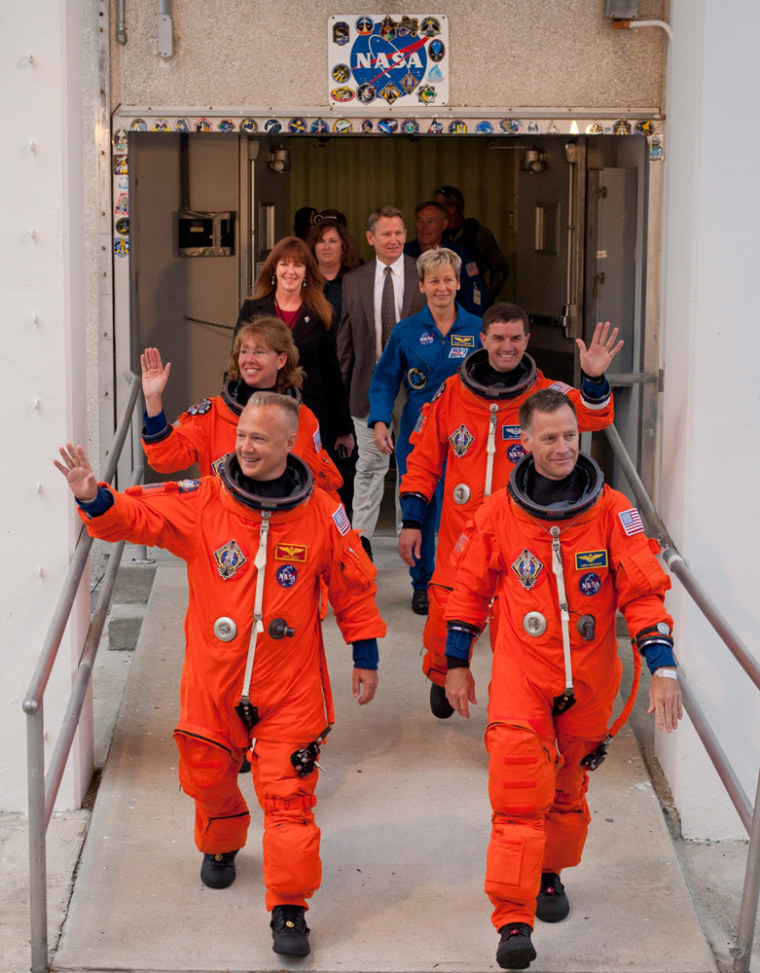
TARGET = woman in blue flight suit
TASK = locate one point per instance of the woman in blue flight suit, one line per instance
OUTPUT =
(422, 351)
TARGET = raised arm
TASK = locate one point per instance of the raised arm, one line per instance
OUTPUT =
(75, 466)
(154, 378)
(595, 360)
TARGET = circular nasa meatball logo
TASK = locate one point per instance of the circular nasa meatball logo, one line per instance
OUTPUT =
(387, 64)
(287, 576)
(590, 583)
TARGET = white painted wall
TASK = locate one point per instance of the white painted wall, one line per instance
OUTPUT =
(711, 356)
(42, 366)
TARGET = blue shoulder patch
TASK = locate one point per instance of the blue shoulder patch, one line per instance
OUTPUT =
(200, 408)
(188, 486)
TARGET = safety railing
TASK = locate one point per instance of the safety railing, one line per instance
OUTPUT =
(43, 788)
(749, 814)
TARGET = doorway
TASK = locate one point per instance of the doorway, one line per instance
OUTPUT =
(569, 213)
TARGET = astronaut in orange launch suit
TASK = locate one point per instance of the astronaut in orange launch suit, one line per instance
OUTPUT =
(471, 430)
(562, 552)
(257, 539)
(264, 357)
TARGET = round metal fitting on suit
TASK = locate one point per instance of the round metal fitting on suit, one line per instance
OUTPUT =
(225, 629)
(462, 493)
(534, 624)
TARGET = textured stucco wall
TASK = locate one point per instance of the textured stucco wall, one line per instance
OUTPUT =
(540, 53)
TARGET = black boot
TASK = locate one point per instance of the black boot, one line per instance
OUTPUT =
(290, 934)
(218, 871)
(439, 705)
(552, 904)
(515, 950)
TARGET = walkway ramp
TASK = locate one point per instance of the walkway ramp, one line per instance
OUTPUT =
(405, 820)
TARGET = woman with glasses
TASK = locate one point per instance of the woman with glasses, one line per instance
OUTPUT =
(289, 287)
(264, 358)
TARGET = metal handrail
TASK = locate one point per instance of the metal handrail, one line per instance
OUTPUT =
(750, 816)
(43, 789)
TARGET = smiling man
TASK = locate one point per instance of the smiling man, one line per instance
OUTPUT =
(375, 297)
(558, 552)
(259, 542)
(470, 432)
(422, 352)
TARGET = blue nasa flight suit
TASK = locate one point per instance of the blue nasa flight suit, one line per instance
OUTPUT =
(472, 295)
(418, 355)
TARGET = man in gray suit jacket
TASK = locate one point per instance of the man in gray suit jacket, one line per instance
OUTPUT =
(365, 324)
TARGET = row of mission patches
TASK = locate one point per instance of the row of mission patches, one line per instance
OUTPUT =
(381, 126)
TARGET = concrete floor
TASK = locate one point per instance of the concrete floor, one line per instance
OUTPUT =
(404, 814)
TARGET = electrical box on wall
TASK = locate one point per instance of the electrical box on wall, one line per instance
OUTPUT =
(205, 234)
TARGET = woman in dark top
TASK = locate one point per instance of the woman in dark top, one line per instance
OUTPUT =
(289, 287)
(335, 253)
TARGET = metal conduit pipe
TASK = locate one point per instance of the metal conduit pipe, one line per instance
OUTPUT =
(121, 27)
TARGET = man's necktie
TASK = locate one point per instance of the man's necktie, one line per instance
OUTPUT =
(387, 307)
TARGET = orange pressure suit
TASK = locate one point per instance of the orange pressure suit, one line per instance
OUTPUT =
(538, 787)
(211, 525)
(206, 433)
(472, 430)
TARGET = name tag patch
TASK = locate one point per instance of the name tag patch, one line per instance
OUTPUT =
(511, 432)
(584, 560)
(290, 552)
(463, 340)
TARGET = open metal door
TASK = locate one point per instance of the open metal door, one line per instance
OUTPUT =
(263, 205)
(551, 212)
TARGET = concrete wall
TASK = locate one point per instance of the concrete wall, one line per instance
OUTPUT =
(711, 356)
(511, 53)
(42, 366)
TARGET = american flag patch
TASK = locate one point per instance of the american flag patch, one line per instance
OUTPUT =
(472, 269)
(317, 441)
(630, 521)
(561, 387)
(340, 518)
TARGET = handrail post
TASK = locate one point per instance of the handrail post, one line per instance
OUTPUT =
(37, 785)
(35, 731)
(742, 953)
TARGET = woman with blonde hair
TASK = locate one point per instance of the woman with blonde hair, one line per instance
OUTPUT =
(264, 358)
(289, 287)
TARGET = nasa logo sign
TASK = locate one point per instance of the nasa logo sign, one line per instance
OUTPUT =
(391, 59)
